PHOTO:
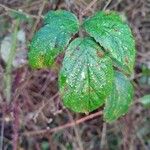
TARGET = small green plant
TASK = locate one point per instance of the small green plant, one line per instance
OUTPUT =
(95, 68)
(145, 101)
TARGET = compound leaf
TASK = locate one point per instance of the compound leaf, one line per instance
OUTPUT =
(86, 76)
(119, 101)
(115, 36)
(51, 39)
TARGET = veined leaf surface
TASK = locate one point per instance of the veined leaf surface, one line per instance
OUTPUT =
(119, 101)
(51, 39)
(115, 36)
(61, 18)
(85, 79)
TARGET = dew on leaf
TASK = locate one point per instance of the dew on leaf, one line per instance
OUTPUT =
(83, 75)
(87, 83)
(113, 42)
(117, 104)
(52, 38)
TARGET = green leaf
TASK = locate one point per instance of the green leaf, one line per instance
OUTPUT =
(86, 76)
(145, 100)
(52, 39)
(62, 18)
(119, 101)
(45, 145)
(115, 36)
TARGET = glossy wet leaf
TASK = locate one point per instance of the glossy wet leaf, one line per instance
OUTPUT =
(119, 101)
(85, 79)
(115, 36)
(51, 39)
(145, 100)
(61, 18)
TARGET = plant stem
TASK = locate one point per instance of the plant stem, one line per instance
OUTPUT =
(105, 7)
(2, 132)
(7, 75)
(15, 124)
(62, 127)
(38, 18)
(17, 11)
(88, 7)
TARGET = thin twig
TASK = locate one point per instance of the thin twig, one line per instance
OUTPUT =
(88, 7)
(103, 137)
(32, 5)
(109, 1)
(2, 132)
(19, 11)
(82, 13)
(38, 18)
(45, 104)
(68, 125)
(15, 125)
(77, 132)
(115, 4)
(85, 4)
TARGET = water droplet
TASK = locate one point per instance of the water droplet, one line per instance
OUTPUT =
(119, 33)
(83, 75)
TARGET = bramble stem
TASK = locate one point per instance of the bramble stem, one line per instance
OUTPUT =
(62, 127)
(7, 75)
